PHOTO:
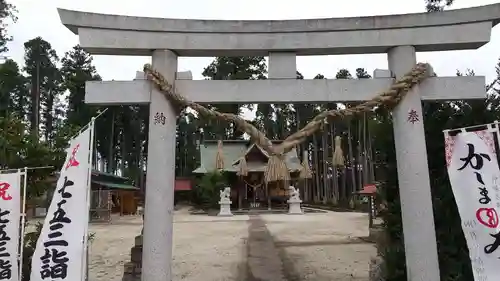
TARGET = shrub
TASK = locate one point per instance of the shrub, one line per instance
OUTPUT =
(30, 239)
(206, 191)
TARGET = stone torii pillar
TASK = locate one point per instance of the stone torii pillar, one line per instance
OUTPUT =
(160, 179)
(402, 35)
(413, 175)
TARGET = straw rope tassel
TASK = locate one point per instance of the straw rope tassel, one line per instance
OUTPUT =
(242, 167)
(276, 169)
(338, 154)
(219, 159)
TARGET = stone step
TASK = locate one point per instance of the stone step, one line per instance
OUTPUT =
(136, 254)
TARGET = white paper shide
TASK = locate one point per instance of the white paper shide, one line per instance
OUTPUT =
(10, 215)
(475, 180)
(59, 253)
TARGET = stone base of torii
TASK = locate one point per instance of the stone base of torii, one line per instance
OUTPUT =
(133, 268)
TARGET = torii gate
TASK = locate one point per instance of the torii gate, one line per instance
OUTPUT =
(400, 36)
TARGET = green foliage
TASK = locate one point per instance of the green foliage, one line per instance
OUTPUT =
(453, 253)
(383, 141)
(30, 239)
(206, 192)
(7, 12)
(61, 140)
(29, 246)
(236, 68)
(20, 149)
(76, 69)
(13, 90)
(437, 5)
(231, 68)
(46, 87)
(343, 74)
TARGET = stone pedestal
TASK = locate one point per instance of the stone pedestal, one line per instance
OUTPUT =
(133, 269)
(377, 269)
(225, 209)
(294, 207)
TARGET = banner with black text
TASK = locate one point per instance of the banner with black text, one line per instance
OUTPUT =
(475, 180)
(60, 249)
(10, 217)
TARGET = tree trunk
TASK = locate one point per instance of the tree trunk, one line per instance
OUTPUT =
(359, 162)
(111, 156)
(344, 184)
(240, 192)
(137, 149)
(316, 170)
(366, 169)
(324, 144)
(351, 164)
(145, 152)
(372, 158)
(123, 148)
(269, 196)
(305, 180)
(94, 151)
(335, 187)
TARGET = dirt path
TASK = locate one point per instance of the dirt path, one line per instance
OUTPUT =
(263, 259)
(278, 247)
(322, 247)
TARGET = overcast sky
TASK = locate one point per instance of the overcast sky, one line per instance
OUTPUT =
(40, 18)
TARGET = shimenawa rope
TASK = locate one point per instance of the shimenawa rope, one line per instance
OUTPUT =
(276, 168)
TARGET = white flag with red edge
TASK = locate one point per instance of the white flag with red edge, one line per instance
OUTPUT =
(60, 249)
(10, 217)
(475, 180)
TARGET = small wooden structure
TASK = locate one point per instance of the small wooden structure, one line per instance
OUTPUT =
(107, 190)
(121, 196)
(250, 190)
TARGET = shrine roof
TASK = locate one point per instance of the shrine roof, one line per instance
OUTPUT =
(232, 151)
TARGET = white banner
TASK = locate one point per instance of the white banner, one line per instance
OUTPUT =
(475, 180)
(10, 217)
(60, 249)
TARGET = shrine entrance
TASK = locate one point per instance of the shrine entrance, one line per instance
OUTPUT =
(259, 195)
(255, 195)
(401, 89)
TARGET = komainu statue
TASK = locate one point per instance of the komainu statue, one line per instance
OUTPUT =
(225, 195)
(294, 193)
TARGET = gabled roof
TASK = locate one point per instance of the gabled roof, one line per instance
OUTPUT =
(252, 146)
(230, 152)
(233, 151)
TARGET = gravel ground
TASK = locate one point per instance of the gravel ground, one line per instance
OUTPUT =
(277, 247)
(324, 246)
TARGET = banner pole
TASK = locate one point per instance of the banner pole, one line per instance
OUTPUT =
(463, 129)
(89, 188)
(496, 130)
(23, 220)
(496, 141)
(26, 168)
